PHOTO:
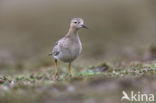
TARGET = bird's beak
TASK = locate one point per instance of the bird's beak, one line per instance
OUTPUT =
(84, 26)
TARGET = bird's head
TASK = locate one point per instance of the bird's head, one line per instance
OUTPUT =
(77, 23)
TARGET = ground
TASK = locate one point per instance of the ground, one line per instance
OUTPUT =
(101, 83)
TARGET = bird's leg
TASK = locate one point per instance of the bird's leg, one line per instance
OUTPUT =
(69, 69)
(56, 71)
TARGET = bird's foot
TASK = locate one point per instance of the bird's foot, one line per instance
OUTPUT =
(56, 76)
(71, 75)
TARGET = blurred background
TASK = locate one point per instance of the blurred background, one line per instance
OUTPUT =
(118, 29)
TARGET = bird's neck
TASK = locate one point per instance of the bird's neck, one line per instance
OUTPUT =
(72, 32)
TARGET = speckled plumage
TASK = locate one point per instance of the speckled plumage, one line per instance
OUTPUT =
(69, 47)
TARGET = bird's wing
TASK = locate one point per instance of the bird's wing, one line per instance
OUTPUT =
(59, 46)
(56, 49)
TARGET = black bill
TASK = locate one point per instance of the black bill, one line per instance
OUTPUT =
(84, 26)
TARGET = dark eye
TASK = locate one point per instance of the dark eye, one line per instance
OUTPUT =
(75, 22)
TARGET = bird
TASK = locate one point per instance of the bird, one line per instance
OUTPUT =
(68, 48)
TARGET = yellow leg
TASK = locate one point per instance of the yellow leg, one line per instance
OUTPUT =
(56, 70)
(69, 69)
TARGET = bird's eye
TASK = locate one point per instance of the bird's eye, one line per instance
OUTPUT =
(75, 22)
